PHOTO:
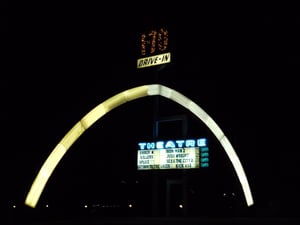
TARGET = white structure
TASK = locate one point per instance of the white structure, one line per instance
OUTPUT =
(128, 95)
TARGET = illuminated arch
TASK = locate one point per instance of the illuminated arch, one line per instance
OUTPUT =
(115, 101)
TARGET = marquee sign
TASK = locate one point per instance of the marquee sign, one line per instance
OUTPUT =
(178, 154)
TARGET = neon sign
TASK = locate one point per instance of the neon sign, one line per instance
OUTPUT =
(173, 154)
(153, 48)
(154, 42)
(201, 142)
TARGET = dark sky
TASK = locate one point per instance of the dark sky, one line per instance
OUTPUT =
(240, 66)
(3, 17)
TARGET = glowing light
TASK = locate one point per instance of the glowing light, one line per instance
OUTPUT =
(154, 41)
(113, 102)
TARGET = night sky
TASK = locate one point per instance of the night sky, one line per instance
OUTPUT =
(3, 17)
(240, 66)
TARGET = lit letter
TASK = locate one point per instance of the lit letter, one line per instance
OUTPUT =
(150, 145)
(160, 144)
(190, 143)
(142, 145)
(180, 143)
(170, 144)
(201, 142)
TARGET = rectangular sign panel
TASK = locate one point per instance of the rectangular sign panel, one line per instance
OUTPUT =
(180, 154)
(177, 158)
(154, 60)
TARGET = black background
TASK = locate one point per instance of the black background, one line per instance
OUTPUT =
(240, 63)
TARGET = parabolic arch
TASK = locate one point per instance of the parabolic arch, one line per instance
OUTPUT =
(125, 96)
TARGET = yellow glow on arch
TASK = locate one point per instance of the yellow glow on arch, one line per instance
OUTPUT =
(115, 101)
